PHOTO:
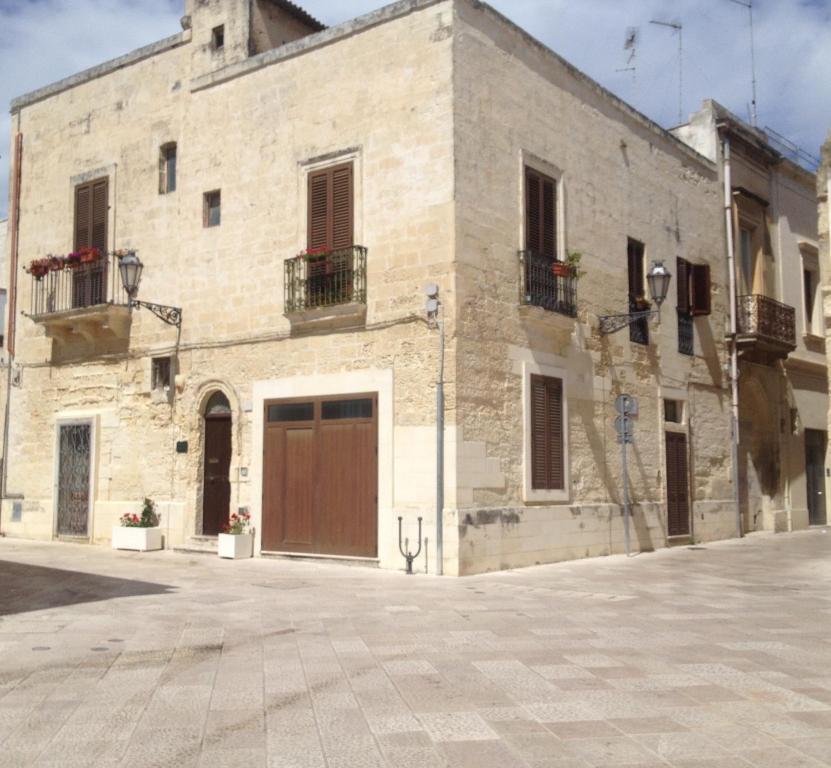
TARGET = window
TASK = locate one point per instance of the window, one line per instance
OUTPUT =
(291, 412)
(639, 330)
(547, 465)
(746, 260)
(540, 214)
(167, 168)
(331, 209)
(218, 37)
(810, 287)
(673, 411)
(346, 409)
(693, 300)
(89, 282)
(160, 374)
(211, 209)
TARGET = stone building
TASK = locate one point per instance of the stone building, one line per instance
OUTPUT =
(783, 382)
(292, 189)
(824, 219)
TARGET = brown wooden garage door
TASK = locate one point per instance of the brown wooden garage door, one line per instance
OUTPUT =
(320, 476)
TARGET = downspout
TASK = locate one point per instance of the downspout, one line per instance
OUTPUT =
(14, 223)
(734, 355)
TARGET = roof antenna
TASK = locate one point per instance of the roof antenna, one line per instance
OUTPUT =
(754, 117)
(678, 27)
(631, 45)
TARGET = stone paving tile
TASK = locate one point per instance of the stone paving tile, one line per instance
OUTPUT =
(594, 664)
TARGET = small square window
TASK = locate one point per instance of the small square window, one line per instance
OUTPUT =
(673, 411)
(218, 37)
(160, 379)
(211, 209)
(167, 168)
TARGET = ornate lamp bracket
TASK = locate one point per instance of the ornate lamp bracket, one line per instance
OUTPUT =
(169, 315)
(614, 323)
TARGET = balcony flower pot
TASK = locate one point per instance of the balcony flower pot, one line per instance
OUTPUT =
(236, 546)
(139, 533)
(137, 539)
(236, 542)
(561, 269)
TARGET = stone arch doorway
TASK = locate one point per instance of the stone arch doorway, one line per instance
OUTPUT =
(216, 481)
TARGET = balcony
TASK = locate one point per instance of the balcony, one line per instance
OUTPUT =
(326, 287)
(86, 301)
(539, 286)
(766, 329)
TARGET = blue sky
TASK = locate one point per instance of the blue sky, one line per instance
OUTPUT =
(44, 40)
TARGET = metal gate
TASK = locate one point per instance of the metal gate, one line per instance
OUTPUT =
(74, 453)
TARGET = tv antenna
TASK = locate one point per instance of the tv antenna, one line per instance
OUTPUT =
(631, 45)
(678, 27)
(754, 117)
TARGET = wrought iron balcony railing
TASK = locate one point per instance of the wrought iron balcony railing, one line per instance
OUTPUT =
(316, 281)
(539, 286)
(77, 288)
(766, 319)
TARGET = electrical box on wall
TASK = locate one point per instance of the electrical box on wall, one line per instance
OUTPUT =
(182, 446)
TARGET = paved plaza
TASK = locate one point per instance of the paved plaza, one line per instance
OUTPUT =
(704, 657)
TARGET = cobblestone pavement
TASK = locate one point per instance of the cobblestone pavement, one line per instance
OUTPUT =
(709, 657)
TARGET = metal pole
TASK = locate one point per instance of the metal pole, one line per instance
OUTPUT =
(734, 356)
(440, 455)
(625, 491)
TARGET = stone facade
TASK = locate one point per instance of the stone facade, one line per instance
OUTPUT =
(824, 222)
(439, 106)
(783, 392)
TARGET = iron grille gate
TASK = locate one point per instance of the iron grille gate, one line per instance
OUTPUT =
(73, 479)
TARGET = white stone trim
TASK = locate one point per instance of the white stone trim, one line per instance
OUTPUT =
(68, 419)
(323, 385)
(528, 493)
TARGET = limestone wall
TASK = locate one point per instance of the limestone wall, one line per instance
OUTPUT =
(621, 176)
(253, 137)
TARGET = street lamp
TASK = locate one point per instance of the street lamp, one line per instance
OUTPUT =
(658, 280)
(130, 269)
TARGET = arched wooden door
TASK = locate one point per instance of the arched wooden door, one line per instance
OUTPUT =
(216, 486)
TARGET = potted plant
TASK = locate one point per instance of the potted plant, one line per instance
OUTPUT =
(89, 255)
(237, 541)
(561, 269)
(140, 533)
(573, 259)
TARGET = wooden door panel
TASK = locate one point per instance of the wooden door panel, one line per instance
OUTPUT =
(678, 506)
(216, 489)
(299, 488)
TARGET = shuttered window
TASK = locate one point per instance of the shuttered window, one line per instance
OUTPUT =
(683, 267)
(547, 462)
(331, 209)
(700, 289)
(540, 214)
(91, 208)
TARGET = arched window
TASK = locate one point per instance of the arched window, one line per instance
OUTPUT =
(218, 405)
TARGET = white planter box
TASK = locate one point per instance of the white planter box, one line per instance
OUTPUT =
(137, 539)
(236, 547)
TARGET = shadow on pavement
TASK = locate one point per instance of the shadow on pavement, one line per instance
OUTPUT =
(25, 588)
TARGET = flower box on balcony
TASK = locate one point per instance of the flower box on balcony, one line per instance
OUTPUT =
(137, 539)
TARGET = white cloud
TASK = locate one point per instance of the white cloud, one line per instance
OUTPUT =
(44, 40)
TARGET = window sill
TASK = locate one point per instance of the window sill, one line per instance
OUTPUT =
(532, 496)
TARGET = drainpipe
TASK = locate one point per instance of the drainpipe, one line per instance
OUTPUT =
(14, 224)
(734, 355)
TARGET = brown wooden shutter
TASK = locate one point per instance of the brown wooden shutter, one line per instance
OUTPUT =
(700, 289)
(683, 285)
(539, 434)
(678, 508)
(342, 229)
(547, 461)
(318, 210)
(91, 214)
(331, 209)
(635, 267)
(540, 214)
(100, 205)
(533, 214)
(83, 208)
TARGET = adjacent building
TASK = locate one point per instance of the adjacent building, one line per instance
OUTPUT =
(783, 381)
(823, 190)
(290, 190)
